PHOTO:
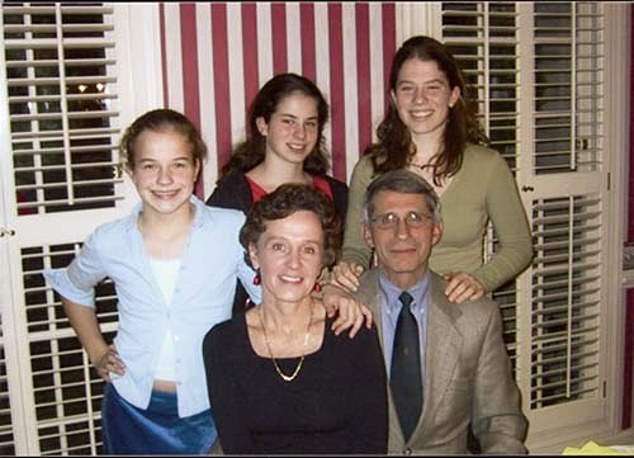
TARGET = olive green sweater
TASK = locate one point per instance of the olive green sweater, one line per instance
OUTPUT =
(483, 189)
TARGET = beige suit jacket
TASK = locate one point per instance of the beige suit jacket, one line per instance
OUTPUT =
(467, 378)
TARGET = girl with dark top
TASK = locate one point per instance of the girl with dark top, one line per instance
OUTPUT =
(278, 378)
(284, 144)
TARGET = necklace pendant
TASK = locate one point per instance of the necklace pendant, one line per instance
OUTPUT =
(278, 369)
(293, 376)
(286, 378)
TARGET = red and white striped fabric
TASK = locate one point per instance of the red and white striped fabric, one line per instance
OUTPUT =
(216, 55)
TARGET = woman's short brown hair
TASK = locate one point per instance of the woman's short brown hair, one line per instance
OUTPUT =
(283, 202)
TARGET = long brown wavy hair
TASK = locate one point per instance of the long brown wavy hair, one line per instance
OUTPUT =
(395, 148)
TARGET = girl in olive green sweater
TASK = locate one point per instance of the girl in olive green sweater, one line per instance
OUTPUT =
(429, 129)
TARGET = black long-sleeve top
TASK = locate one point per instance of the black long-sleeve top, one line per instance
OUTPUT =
(336, 405)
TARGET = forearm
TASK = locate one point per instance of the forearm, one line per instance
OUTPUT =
(230, 413)
(501, 435)
(498, 421)
(509, 261)
(226, 400)
(370, 427)
(354, 247)
(84, 322)
(506, 212)
(357, 254)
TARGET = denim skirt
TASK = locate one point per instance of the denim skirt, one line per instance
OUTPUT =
(158, 430)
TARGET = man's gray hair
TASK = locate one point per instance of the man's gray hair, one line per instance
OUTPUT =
(403, 181)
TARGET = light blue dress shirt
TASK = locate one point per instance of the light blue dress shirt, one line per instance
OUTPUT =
(202, 298)
(390, 309)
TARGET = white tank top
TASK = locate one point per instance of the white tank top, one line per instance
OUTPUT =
(165, 272)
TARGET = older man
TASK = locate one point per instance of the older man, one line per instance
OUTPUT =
(447, 363)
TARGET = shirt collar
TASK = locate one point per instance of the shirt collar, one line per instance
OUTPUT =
(131, 222)
(418, 291)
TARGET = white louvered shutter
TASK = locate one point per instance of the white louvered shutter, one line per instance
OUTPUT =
(61, 117)
(566, 365)
(7, 438)
(537, 70)
(62, 102)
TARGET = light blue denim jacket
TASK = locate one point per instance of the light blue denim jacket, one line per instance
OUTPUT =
(202, 298)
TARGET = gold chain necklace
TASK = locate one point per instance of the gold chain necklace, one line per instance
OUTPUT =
(286, 378)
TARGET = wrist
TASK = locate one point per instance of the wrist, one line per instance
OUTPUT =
(97, 354)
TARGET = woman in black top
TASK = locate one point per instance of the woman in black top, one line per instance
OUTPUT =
(279, 380)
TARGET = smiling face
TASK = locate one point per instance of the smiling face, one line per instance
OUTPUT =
(164, 171)
(402, 250)
(289, 254)
(292, 131)
(422, 97)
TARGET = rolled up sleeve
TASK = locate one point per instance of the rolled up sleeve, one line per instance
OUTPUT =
(77, 281)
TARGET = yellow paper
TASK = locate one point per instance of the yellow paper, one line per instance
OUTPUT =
(592, 448)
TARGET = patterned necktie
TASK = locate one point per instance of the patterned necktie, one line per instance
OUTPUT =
(405, 374)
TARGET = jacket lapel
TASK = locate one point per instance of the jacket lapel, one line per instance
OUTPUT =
(442, 349)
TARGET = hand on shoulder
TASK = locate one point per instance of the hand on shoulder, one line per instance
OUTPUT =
(351, 313)
(346, 275)
(462, 286)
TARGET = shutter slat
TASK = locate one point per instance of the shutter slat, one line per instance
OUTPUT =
(71, 115)
(40, 9)
(55, 81)
(52, 43)
(74, 134)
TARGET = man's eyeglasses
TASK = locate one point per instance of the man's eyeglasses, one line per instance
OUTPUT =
(391, 220)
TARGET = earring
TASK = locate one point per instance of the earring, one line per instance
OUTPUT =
(317, 287)
(257, 279)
